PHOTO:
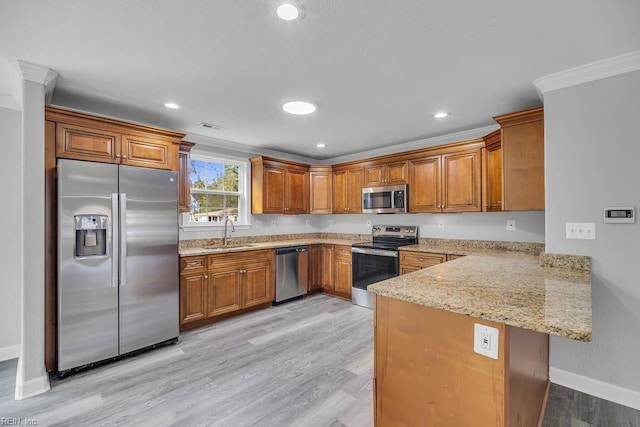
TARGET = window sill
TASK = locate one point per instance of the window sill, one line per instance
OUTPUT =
(211, 227)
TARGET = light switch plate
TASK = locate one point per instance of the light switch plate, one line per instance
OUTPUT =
(485, 340)
(581, 230)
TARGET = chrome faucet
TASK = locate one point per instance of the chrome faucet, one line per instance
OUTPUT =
(226, 239)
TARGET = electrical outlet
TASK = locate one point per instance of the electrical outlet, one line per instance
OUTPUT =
(258, 223)
(307, 223)
(368, 223)
(441, 223)
(330, 222)
(581, 230)
(273, 222)
(485, 340)
(511, 225)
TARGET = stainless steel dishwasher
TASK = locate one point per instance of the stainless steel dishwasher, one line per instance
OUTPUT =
(292, 272)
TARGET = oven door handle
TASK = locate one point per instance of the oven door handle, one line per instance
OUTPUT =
(380, 252)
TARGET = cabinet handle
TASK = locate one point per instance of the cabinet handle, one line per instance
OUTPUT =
(117, 156)
(124, 156)
(499, 202)
(421, 259)
(206, 276)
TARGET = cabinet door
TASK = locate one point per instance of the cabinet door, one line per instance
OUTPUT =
(223, 290)
(424, 185)
(184, 183)
(148, 152)
(315, 268)
(320, 193)
(461, 182)
(340, 192)
(343, 278)
(274, 179)
(374, 176)
(83, 143)
(296, 192)
(258, 284)
(396, 173)
(192, 297)
(328, 267)
(494, 179)
(355, 183)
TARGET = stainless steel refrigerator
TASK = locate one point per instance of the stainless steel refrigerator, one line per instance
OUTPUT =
(118, 274)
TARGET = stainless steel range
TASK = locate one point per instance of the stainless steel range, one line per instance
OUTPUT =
(378, 260)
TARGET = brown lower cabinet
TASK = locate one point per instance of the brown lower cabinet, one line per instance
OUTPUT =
(315, 268)
(221, 284)
(342, 267)
(414, 261)
(427, 374)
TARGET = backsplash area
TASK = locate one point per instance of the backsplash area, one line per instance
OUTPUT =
(530, 226)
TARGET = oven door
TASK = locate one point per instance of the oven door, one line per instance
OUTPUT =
(370, 266)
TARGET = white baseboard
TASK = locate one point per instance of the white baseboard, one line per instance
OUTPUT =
(9, 352)
(597, 388)
(32, 387)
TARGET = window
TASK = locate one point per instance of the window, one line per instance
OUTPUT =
(217, 189)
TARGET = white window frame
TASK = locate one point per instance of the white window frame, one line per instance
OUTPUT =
(244, 203)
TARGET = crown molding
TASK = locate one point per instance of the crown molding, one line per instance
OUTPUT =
(38, 74)
(589, 72)
(415, 145)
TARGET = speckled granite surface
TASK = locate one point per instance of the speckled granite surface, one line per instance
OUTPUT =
(514, 290)
(199, 250)
(574, 262)
(532, 248)
(461, 250)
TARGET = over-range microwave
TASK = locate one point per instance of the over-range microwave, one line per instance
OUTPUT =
(388, 199)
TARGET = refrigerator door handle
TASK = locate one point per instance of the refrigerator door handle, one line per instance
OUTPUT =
(115, 241)
(123, 239)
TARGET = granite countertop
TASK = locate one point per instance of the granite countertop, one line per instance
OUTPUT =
(264, 245)
(500, 286)
(457, 250)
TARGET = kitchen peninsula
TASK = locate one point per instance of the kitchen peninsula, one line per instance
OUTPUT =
(425, 369)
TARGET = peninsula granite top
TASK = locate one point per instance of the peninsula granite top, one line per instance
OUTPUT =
(512, 289)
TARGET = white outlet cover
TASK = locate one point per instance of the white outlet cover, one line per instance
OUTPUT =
(485, 340)
(511, 225)
(273, 222)
(368, 223)
(581, 231)
(330, 222)
(441, 223)
(307, 222)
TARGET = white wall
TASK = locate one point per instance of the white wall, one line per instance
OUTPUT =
(592, 152)
(472, 226)
(10, 233)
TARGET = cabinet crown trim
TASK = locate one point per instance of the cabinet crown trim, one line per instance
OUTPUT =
(75, 117)
(520, 117)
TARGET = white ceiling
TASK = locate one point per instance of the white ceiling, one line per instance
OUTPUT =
(378, 70)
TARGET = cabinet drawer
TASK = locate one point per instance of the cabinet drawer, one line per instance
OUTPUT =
(421, 259)
(189, 265)
(245, 258)
(343, 252)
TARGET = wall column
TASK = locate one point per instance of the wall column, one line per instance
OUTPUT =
(35, 82)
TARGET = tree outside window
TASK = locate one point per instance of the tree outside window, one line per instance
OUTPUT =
(215, 190)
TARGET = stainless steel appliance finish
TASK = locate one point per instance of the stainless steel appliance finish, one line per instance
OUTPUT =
(375, 261)
(127, 298)
(292, 272)
(388, 199)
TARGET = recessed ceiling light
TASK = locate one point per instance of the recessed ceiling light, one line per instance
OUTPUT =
(299, 107)
(320, 145)
(171, 105)
(290, 11)
(441, 115)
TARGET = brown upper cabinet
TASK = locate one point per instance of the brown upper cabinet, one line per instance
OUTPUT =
(447, 182)
(347, 190)
(320, 190)
(82, 136)
(493, 171)
(522, 160)
(394, 173)
(184, 181)
(279, 187)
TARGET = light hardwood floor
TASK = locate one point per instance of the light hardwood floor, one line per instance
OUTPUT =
(305, 363)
